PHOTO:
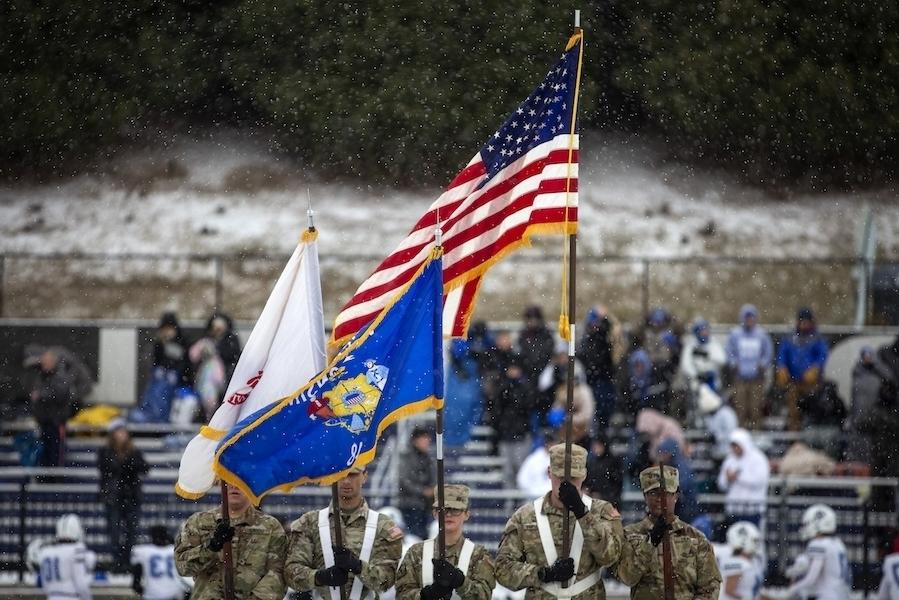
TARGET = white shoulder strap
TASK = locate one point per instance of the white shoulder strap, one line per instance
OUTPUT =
(549, 549)
(324, 538)
(427, 567)
(368, 542)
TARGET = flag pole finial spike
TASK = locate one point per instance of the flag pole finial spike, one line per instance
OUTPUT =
(577, 18)
(310, 215)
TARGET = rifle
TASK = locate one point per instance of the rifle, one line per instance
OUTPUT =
(667, 568)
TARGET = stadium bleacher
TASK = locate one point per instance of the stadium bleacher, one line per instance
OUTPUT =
(32, 500)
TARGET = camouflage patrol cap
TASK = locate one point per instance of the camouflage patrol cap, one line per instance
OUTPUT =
(578, 461)
(649, 479)
(454, 496)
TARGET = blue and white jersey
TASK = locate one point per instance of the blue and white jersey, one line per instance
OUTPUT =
(67, 570)
(828, 576)
(889, 584)
(160, 579)
(749, 576)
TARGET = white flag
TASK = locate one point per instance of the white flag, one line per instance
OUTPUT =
(284, 351)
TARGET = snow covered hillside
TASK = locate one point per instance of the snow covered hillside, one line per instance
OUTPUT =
(231, 195)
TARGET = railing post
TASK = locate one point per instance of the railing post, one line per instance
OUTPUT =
(23, 501)
(218, 261)
(645, 294)
(2, 281)
(865, 538)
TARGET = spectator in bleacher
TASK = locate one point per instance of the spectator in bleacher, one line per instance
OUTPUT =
(660, 337)
(701, 361)
(720, 420)
(170, 370)
(220, 329)
(868, 375)
(583, 409)
(416, 482)
(744, 480)
(462, 396)
(511, 415)
(889, 356)
(643, 387)
(122, 469)
(209, 375)
(801, 460)
(670, 453)
(535, 348)
(533, 475)
(605, 473)
(600, 351)
(57, 384)
(886, 444)
(800, 365)
(749, 355)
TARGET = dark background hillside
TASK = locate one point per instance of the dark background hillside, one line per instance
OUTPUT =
(797, 93)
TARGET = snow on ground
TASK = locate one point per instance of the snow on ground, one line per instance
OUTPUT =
(230, 194)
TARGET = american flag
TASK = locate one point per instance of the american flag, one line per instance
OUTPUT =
(523, 181)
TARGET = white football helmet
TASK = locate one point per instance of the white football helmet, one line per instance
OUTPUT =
(818, 519)
(744, 537)
(68, 527)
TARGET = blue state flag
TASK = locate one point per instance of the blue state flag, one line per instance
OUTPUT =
(391, 370)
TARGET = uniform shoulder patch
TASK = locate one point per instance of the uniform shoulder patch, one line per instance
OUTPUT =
(394, 533)
(612, 513)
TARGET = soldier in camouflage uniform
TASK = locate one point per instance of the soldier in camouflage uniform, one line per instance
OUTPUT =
(367, 561)
(258, 545)
(467, 571)
(528, 553)
(696, 575)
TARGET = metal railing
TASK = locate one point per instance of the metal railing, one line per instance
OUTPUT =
(139, 285)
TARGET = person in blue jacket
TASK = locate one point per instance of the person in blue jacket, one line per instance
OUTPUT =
(800, 365)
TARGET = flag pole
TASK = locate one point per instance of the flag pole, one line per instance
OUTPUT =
(338, 528)
(227, 559)
(441, 508)
(572, 269)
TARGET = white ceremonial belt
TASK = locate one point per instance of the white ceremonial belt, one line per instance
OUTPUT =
(578, 587)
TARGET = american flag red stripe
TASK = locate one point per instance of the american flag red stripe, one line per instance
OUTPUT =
(523, 181)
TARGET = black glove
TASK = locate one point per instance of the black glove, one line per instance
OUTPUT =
(446, 575)
(331, 577)
(436, 592)
(223, 533)
(571, 498)
(346, 560)
(561, 570)
(658, 531)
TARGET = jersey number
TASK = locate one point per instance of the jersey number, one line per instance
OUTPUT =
(162, 566)
(50, 570)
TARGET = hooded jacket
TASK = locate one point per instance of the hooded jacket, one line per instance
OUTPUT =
(747, 495)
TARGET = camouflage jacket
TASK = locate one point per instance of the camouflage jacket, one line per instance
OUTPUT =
(304, 556)
(258, 549)
(520, 554)
(696, 575)
(479, 581)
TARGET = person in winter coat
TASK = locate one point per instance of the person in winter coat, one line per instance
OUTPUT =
(749, 355)
(511, 417)
(122, 468)
(800, 365)
(416, 483)
(744, 479)
(720, 420)
(701, 362)
(582, 414)
(209, 375)
(605, 473)
(220, 329)
(600, 351)
(868, 376)
(885, 418)
(670, 453)
(462, 396)
(56, 385)
(535, 350)
(643, 387)
(170, 370)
